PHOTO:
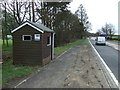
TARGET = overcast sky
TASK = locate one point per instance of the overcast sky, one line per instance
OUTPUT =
(99, 12)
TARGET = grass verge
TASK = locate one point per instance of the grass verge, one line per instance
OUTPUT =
(59, 50)
(10, 71)
(7, 50)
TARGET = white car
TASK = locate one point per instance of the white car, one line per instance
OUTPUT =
(100, 40)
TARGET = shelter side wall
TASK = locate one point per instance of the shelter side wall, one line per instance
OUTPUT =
(46, 55)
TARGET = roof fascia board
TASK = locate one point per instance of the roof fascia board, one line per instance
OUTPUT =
(26, 23)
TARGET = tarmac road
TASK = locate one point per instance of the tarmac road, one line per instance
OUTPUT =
(110, 56)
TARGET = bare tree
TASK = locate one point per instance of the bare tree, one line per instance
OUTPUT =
(30, 11)
(111, 30)
(108, 29)
(17, 9)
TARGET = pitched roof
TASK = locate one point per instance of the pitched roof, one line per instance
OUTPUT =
(36, 26)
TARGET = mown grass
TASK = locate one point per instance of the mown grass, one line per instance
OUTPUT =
(7, 49)
(85, 42)
(10, 71)
(115, 39)
(1, 42)
(59, 50)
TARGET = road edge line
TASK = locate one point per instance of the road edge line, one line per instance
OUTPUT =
(21, 82)
(110, 72)
(62, 53)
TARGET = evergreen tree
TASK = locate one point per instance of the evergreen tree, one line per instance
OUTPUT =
(82, 15)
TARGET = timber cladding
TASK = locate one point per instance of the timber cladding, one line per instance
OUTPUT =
(31, 52)
(46, 50)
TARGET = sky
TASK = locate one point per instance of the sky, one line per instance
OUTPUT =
(99, 12)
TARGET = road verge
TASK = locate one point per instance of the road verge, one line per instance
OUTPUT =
(111, 79)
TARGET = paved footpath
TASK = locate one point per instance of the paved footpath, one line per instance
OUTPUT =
(77, 68)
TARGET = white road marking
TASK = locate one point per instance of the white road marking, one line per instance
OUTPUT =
(62, 53)
(110, 72)
(21, 82)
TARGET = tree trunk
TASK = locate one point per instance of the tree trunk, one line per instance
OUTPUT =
(7, 41)
(6, 26)
(3, 37)
(33, 12)
(18, 13)
(29, 11)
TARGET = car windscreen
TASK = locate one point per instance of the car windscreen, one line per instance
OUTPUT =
(101, 38)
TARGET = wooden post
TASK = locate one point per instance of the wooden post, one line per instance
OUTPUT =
(53, 34)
